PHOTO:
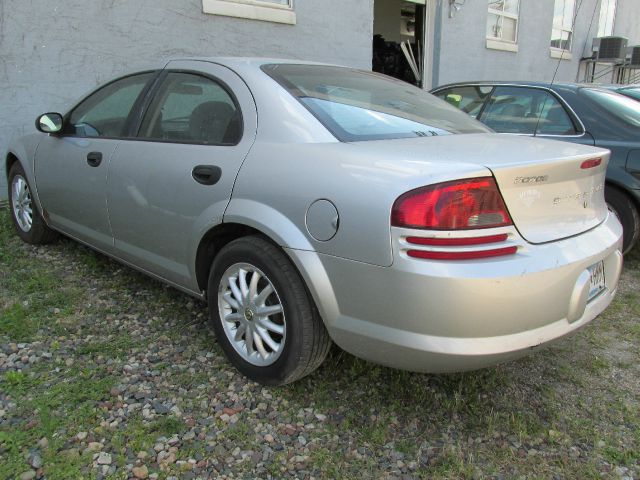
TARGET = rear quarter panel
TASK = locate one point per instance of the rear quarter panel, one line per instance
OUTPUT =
(296, 161)
(278, 182)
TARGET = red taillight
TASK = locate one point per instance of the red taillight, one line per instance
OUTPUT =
(465, 255)
(458, 242)
(594, 162)
(458, 205)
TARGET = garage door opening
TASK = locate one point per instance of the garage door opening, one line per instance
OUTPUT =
(398, 39)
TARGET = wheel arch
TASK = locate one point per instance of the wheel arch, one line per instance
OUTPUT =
(631, 219)
(622, 188)
(237, 226)
(23, 152)
(305, 261)
(212, 242)
(10, 160)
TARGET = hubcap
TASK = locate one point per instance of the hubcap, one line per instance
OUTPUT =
(252, 314)
(21, 202)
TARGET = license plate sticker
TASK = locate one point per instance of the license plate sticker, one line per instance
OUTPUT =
(597, 279)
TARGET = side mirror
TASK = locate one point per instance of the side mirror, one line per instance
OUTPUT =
(49, 123)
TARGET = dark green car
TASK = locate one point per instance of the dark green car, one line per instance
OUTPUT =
(579, 113)
(631, 91)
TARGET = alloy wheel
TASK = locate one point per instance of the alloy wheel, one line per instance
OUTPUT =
(21, 202)
(252, 314)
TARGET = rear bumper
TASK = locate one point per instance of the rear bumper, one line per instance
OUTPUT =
(438, 316)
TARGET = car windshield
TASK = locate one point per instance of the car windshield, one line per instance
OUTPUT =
(624, 108)
(356, 105)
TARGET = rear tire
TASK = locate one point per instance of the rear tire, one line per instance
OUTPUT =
(264, 318)
(624, 208)
(27, 220)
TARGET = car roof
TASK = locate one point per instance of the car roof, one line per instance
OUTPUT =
(555, 85)
(629, 87)
(255, 62)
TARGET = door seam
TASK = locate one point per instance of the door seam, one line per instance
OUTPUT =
(106, 196)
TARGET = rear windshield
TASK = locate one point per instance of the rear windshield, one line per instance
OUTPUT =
(631, 92)
(356, 105)
(624, 108)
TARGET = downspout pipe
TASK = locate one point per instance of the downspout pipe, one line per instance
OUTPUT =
(437, 44)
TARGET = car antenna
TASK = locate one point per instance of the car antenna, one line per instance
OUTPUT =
(586, 37)
(555, 73)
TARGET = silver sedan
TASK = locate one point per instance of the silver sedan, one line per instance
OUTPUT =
(310, 203)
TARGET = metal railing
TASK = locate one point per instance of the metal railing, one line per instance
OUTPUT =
(622, 73)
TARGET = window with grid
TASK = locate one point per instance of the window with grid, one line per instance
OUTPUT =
(607, 18)
(562, 32)
(502, 22)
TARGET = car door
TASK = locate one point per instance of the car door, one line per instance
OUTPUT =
(71, 168)
(532, 111)
(171, 184)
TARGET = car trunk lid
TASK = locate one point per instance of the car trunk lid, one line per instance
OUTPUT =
(554, 198)
(548, 193)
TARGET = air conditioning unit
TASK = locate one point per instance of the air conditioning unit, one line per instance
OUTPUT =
(633, 56)
(610, 49)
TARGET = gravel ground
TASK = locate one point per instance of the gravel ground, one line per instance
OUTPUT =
(105, 373)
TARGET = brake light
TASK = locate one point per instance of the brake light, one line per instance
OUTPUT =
(594, 162)
(458, 205)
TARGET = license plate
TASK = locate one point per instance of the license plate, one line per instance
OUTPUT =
(597, 279)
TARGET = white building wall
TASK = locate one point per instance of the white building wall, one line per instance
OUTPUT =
(627, 22)
(465, 56)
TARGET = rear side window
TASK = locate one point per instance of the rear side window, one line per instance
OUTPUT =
(469, 99)
(526, 111)
(105, 112)
(190, 108)
(623, 108)
(355, 105)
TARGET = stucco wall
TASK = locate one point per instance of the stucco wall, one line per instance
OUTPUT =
(464, 55)
(54, 51)
(627, 22)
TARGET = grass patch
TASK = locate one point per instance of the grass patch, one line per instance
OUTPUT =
(63, 404)
(166, 426)
(34, 297)
(115, 348)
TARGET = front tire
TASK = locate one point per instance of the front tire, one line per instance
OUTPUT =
(263, 316)
(27, 220)
(624, 208)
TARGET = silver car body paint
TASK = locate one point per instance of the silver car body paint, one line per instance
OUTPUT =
(376, 302)
(158, 212)
(80, 208)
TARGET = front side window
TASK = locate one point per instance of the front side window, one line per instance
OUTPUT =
(502, 22)
(607, 18)
(562, 32)
(105, 112)
(526, 111)
(355, 105)
(280, 11)
(190, 108)
(469, 99)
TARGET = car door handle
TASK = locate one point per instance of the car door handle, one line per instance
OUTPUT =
(94, 159)
(206, 174)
